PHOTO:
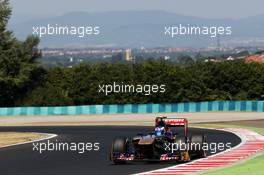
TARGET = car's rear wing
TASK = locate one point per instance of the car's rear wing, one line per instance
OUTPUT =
(174, 122)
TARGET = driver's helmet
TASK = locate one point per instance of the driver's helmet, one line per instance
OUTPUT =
(160, 128)
(159, 131)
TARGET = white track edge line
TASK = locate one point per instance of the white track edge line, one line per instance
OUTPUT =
(49, 136)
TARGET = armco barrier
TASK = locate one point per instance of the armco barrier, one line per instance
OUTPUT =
(250, 106)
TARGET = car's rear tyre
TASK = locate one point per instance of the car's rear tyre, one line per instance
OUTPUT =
(119, 145)
(181, 146)
(197, 143)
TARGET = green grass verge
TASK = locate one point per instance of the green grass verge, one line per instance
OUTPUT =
(253, 166)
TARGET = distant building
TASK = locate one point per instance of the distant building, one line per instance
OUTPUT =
(230, 58)
(128, 55)
(212, 60)
(255, 58)
(166, 57)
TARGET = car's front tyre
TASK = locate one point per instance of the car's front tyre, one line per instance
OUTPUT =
(119, 146)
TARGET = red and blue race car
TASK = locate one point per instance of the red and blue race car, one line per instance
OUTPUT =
(164, 144)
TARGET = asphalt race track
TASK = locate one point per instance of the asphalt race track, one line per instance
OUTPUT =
(22, 160)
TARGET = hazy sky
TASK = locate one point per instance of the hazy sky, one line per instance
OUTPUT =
(200, 8)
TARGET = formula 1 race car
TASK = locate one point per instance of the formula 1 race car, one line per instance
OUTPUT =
(161, 145)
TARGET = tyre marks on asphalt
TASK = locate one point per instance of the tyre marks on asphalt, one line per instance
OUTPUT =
(252, 143)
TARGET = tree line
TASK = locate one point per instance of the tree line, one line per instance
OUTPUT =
(230, 80)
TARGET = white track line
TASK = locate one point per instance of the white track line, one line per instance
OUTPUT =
(49, 136)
